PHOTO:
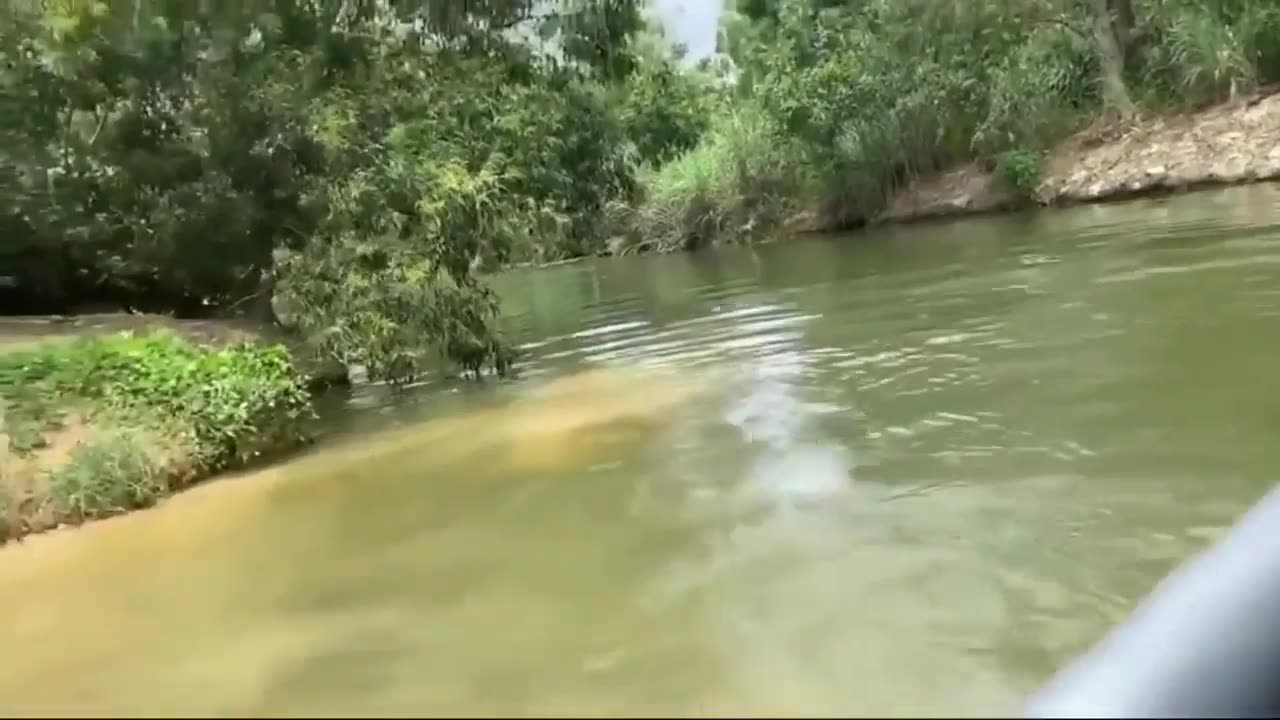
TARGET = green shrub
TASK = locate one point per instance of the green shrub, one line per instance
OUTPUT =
(128, 418)
(1020, 170)
(232, 402)
(109, 474)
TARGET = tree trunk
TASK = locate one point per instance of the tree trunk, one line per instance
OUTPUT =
(1123, 21)
(262, 309)
(1115, 94)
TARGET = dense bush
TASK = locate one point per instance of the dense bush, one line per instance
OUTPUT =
(158, 411)
(868, 94)
(1020, 171)
(233, 399)
(737, 183)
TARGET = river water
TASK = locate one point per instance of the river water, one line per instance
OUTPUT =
(902, 472)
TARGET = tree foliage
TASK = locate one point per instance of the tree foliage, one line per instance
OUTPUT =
(353, 168)
(354, 164)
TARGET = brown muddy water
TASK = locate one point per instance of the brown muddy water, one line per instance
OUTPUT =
(904, 472)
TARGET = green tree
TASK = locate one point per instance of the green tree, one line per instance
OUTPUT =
(357, 162)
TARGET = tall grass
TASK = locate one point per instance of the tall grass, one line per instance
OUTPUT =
(113, 472)
(1200, 55)
(742, 178)
(1199, 59)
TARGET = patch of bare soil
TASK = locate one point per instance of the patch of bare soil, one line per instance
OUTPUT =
(1236, 142)
(960, 191)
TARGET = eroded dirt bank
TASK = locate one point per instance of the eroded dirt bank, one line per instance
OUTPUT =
(1232, 143)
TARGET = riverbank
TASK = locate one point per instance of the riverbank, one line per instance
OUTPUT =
(111, 421)
(1231, 143)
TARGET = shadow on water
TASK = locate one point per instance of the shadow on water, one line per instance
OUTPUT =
(905, 472)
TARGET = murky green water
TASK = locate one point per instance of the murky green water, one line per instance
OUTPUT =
(902, 472)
